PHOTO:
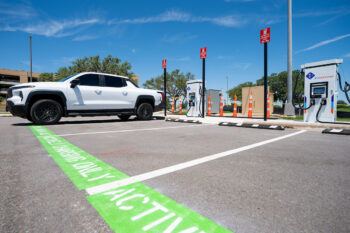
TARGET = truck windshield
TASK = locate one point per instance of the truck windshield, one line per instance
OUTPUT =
(66, 78)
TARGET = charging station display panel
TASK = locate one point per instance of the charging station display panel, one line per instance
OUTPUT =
(319, 90)
(320, 87)
(194, 89)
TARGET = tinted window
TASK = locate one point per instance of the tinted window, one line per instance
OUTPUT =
(89, 80)
(111, 81)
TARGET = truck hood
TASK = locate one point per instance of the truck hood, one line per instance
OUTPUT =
(41, 84)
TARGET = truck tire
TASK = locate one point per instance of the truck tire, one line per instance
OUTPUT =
(46, 111)
(144, 111)
(124, 117)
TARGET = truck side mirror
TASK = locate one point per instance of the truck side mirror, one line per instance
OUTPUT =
(74, 83)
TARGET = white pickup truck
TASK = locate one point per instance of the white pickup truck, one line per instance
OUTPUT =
(88, 93)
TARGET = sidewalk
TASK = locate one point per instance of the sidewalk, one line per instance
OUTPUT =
(5, 114)
(278, 122)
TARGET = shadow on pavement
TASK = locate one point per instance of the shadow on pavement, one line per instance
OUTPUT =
(86, 121)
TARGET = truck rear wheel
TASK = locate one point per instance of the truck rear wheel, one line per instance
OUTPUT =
(145, 111)
(45, 112)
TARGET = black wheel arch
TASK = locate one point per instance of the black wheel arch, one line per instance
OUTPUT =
(144, 99)
(54, 95)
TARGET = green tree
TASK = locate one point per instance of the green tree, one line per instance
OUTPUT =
(176, 83)
(46, 77)
(341, 102)
(237, 90)
(278, 85)
(109, 64)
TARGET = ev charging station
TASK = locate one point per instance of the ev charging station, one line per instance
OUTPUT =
(194, 98)
(320, 90)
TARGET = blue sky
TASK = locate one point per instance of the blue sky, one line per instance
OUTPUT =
(143, 32)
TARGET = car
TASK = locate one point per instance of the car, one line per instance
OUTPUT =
(83, 94)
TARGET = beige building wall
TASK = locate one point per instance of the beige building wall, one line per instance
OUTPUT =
(9, 78)
(23, 75)
(258, 100)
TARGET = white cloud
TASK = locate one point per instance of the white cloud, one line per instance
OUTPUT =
(318, 13)
(183, 17)
(16, 11)
(347, 55)
(325, 42)
(84, 38)
(241, 65)
(224, 57)
(54, 28)
(225, 21)
(168, 16)
(178, 38)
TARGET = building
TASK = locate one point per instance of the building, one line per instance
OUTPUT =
(257, 93)
(10, 78)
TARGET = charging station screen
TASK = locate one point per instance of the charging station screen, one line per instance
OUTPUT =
(318, 90)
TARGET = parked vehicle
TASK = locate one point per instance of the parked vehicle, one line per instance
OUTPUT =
(87, 93)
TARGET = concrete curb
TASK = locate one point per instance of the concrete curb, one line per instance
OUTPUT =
(5, 115)
(255, 126)
(183, 121)
(303, 125)
(279, 122)
(158, 118)
(337, 131)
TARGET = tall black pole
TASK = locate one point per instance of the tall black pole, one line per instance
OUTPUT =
(203, 89)
(30, 59)
(165, 92)
(265, 81)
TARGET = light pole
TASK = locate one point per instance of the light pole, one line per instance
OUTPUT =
(288, 108)
(30, 59)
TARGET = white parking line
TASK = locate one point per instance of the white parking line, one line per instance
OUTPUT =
(181, 166)
(128, 130)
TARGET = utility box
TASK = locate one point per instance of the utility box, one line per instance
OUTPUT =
(215, 100)
(258, 100)
(321, 90)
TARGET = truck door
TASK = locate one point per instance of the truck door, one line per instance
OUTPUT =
(87, 95)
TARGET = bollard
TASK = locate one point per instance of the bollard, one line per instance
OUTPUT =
(209, 106)
(250, 106)
(180, 107)
(234, 114)
(268, 106)
(172, 105)
(221, 112)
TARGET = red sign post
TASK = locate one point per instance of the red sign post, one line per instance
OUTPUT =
(203, 56)
(203, 53)
(164, 69)
(265, 37)
(164, 63)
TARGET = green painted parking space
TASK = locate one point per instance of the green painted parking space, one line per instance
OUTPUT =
(132, 208)
(83, 169)
(139, 208)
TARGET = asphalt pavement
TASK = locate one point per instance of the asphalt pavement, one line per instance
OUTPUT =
(240, 179)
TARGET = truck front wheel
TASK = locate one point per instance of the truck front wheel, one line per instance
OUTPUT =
(145, 111)
(46, 111)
